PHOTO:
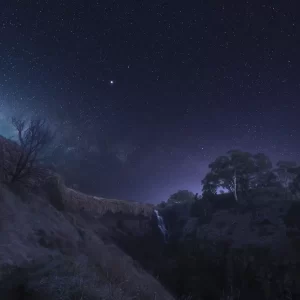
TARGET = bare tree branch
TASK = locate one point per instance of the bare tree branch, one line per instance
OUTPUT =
(20, 162)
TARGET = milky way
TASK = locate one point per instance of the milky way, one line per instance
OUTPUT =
(145, 94)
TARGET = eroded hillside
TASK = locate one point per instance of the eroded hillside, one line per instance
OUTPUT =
(53, 244)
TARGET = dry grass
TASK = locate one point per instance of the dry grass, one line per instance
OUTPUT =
(86, 268)
(61, 196)
(64, 198)
(79, 280)
(83, 267)
(75, 201)
(125, 279)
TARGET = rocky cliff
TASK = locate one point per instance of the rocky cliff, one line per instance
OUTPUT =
(58, 243)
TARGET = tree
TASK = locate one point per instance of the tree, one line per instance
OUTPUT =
(238, 171)
(22, 163)
(210, 184)
(262, 171)
(294, 186)
(267, 179)
(285, 174)
(181, 196)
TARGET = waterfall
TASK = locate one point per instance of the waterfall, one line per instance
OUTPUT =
(161, 225)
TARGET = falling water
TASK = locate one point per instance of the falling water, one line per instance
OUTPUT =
(161, 225)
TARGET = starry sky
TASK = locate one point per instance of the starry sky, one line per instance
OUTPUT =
(146, 93)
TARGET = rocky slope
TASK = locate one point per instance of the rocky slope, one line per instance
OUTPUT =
(57, 243)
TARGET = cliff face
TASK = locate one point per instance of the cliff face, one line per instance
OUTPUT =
(61, 241)
(116, 219)
(75, 201)
(130, 225)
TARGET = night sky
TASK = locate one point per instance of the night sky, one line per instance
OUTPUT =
(147, 93)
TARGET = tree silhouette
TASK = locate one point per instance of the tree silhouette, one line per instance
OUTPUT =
(22, 159)
(237, 171)
(181, 196)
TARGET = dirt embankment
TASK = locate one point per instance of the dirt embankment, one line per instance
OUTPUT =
(54, 245)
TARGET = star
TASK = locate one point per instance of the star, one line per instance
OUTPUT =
(211, 94)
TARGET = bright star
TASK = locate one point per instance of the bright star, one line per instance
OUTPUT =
(112, 82)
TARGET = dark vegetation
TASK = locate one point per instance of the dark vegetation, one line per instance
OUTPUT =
(190, 265)
(212, 268)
